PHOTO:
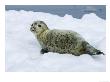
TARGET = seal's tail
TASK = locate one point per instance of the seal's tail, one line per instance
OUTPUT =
(93, 51)
(98, 52)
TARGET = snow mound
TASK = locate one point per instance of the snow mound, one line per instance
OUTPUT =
(23, 50)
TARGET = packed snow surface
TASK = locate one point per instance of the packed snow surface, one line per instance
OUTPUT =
(23, 50)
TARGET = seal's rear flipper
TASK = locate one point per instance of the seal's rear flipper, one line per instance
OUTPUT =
(99, 52)
(92, 51)
(96, 52)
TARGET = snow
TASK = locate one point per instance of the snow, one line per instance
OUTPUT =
(23, 50)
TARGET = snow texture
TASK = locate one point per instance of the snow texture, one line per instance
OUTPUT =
(23, 50)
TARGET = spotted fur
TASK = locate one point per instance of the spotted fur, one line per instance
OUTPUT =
(61, 41)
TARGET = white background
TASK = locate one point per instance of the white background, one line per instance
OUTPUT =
(52, 76)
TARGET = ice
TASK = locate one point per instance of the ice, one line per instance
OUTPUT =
(23, 50)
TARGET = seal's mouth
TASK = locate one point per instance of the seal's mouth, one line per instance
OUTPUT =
(32, 29)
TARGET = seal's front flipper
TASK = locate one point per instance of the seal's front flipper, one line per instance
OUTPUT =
(43, 51)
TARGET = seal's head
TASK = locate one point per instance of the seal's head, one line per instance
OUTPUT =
(38, 27)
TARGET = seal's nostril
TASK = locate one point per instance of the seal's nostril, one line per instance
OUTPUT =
(32, 29)
(32, 25)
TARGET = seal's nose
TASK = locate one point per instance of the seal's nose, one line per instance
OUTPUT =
(32, 29)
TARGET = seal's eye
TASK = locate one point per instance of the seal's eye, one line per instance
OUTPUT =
(39, 25)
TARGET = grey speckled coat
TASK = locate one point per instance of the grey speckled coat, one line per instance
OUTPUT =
(61, 41)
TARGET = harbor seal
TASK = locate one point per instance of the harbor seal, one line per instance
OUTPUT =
(61, 41)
